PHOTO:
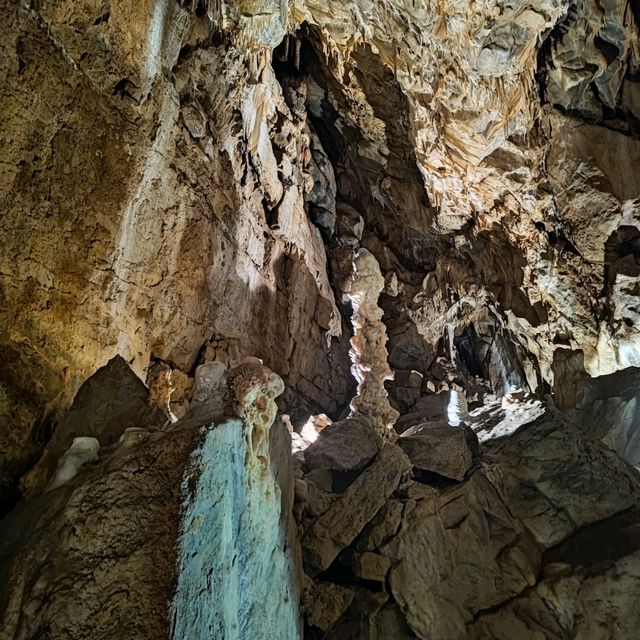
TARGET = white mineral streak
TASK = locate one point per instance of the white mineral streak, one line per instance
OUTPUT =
(368, 346)
(457, 412)
(81, 451)
(131, 234)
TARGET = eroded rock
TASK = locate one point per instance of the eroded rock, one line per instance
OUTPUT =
(343, 521)
(347, 445)
(439, 448)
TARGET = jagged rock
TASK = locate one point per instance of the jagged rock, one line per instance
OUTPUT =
(456, 554)
(382, 527)
(371, 617)
(439, 448)
(369, 353)
(344, 520)
(325, 602)
(128, 510)
(347, 445)
(407, 388)
(498, 522)
(556, 481)
(588, 601)
(157, 189)
(322, 478)
(605, 407)
(112, 400)
(370, 566)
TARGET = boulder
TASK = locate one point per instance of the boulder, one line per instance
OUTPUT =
(585, 604)
(370, 566)
(108, 403)
(325, 603)
(438, 448)
(382, 527)
(458, 553)
(555, 480)
(336, 529)
(347, 445)
(111, 400)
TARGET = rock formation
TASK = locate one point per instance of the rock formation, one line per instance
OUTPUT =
(403, 236)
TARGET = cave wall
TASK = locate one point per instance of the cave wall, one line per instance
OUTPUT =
(173, 199)
(140, 190)
(191, 181)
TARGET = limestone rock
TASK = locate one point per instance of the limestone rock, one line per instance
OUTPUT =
(588, 603)
(382, 527)
(81, 451)
(369, 353)
(604, 407)
(325, 602)
(407, 388)
(457, 554)
(112, 400)
(441, 449)
(370, 566)
(128, 510)
(255, 389)
(347, 445)
(562, 481)
(343, 521)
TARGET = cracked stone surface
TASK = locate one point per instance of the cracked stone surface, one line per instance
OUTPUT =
(242, 192)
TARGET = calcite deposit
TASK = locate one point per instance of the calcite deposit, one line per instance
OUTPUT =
(319, 319)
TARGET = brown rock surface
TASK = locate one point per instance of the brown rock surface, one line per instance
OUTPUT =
(450, 189)
(342, 522)
(439, 448)
(347, 445)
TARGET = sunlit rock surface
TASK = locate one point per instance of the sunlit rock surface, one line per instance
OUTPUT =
(447, 190)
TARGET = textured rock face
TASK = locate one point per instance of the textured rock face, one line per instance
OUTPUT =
(155, 238)
(387, 203)
(180, 516)
(504, 552)
(155, 199)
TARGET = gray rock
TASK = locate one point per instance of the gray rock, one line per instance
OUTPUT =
(579, 605)
(344, 446)
(439, 448)
(344, 520)
(325, 603)
(112, 400)
(458, 553)
(555, 480)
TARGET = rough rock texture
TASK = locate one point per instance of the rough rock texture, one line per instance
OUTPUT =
(157, 239)
(447, 451)
(450, 189)
(368, 345)
(102, 554)
(502, 553)
(343, 446)
(605, 407)
(337, 527)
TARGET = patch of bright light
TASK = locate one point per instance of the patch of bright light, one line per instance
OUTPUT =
(309, 433)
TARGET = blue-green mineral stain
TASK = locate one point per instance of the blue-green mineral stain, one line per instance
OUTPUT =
(235, 574)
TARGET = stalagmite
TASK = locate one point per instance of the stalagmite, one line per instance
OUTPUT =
(368, 346)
